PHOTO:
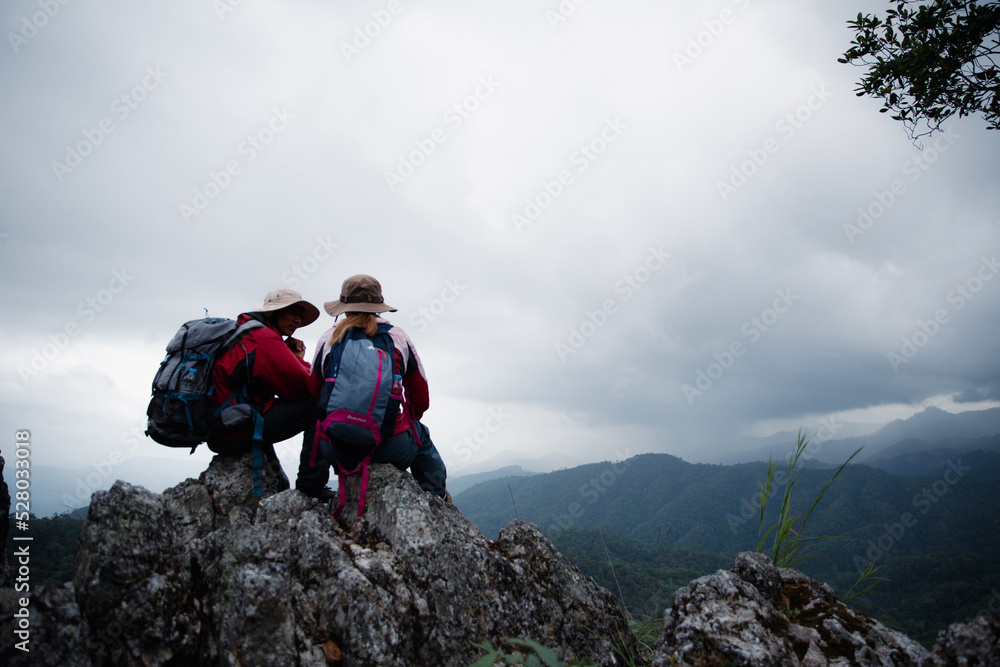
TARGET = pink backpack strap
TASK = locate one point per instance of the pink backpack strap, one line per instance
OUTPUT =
(342, 484)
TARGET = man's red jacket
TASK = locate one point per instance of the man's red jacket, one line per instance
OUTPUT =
(262, 361)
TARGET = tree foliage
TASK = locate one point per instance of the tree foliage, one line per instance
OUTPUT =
(927, 62)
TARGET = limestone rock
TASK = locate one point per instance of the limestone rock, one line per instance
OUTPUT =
(758, 614)
(976, 643)
(5, 578)
(55, 629)
(207, 574)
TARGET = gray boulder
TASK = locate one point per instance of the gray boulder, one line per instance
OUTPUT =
(757, 614)
(976, 643)
(207, 574)
(5, 574)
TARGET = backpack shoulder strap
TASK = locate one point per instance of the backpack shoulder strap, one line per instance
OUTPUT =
(240, 332)
(383, 340)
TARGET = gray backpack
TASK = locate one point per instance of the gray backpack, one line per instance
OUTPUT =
(178, 414)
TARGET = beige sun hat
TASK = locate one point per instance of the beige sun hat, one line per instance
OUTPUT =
(283, 298)
(359, 294)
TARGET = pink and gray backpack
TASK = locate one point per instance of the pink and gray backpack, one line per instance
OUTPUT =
(358, 404)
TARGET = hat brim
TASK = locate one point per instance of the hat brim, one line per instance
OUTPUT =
(310, 313)
(335, 308)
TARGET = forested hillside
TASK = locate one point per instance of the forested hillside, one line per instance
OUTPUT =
(645, 526)
(935, 537)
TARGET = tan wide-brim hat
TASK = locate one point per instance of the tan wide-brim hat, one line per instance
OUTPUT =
(359, 294)
(283, 298)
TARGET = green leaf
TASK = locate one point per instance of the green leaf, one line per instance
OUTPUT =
(543, 652)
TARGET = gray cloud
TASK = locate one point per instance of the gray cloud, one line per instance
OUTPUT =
(540, 165)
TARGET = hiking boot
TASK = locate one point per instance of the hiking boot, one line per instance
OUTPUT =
(324, 494)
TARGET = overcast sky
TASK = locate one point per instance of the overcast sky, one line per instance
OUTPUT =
(609, 227)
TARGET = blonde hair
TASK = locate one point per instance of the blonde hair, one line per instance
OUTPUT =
(364, 321)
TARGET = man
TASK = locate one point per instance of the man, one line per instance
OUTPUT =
(262, 381)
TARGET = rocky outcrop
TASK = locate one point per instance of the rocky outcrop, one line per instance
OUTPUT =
(757, 614)
(976, 643)
(5, 578)
(207, 574)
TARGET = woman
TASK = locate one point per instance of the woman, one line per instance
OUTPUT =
(410, 445)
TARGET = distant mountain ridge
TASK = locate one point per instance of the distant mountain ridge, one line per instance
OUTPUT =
(931, 535)
(710, 506)
(57, 489)
(932, 428)
(458, 484)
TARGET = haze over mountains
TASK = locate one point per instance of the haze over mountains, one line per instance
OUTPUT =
(834, 442)
(932, 433)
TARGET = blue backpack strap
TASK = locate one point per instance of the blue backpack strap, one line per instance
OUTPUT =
(332, 363)
(383, 340)
(240, 396)
(258, 455)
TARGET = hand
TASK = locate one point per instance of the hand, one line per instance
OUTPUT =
(297, 347)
